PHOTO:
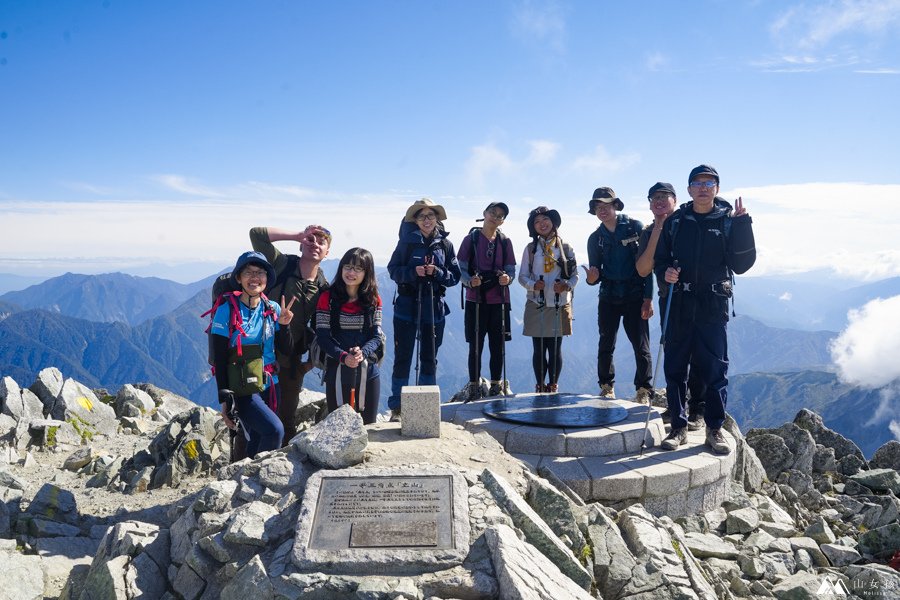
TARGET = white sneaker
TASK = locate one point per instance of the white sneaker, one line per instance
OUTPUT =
(607, 391)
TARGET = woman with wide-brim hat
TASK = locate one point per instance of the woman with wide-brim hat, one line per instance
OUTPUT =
(424, 265)
(549, 273)
(245, 330)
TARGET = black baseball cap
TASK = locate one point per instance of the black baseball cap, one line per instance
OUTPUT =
(703, 170)
(661, 186)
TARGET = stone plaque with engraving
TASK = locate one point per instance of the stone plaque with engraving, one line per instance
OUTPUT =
(384, 520)
(383, 511)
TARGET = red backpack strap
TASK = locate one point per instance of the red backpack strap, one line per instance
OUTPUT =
(236, 321)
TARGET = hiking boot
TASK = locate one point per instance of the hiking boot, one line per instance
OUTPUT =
(539, 388)
(499, 388)
(552, 388)
(643, 396)
(695, 421)
(716, 441)
(395, 415)
(472, 391)
(607, 391)
(677, 437)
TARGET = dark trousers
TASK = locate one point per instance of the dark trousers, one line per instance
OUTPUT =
(547, 358)
(638, 331)
(490, 322)
(703, 347)
(290, 380)
(262, 426)
(350, 379)
(695, 386)
(431, 336)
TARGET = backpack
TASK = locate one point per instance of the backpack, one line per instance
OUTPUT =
(317, 355)
(246, 371)
(291, 267)
(632, 238)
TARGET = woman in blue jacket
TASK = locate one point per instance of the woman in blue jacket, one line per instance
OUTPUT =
(246, 328)
(348, 329)
(424, 266)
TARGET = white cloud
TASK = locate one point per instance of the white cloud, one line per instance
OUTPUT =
(786, 297)
(601, 161)
(823, 35)
(656, 61)
(803, 227)
(486, 160)
(884, 71)
(866, 351)
(818, 24)
(542, 23)
(181, 184)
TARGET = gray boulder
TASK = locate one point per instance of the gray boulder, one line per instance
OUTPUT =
(881, 542)
(251, 581)
(613, 562)
(524, 573)
(133, 402)
(887, 456)
(795, 451)
(47, 386)
(879, 480)
(337, 442)
(813, 423)
(882, 581)
(78, 405)
(168, 404)
(17, 403)
(556, 510)
(21, 577)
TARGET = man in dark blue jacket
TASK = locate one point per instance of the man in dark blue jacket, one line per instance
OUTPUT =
(702, 244)
(624, 295)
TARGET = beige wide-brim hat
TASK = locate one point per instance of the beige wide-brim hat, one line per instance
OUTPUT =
(424, 203)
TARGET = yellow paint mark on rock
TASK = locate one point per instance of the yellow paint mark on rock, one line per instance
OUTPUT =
(86, 404)
(191, 450)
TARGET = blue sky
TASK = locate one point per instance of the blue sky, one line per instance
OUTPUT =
(149, 136)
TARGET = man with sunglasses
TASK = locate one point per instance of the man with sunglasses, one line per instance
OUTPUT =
(701, 246)
(301, 279)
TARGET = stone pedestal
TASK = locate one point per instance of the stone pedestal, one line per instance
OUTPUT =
(421, 411)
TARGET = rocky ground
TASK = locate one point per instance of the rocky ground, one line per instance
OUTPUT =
(132, 496)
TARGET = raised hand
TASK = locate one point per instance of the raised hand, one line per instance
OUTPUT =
(739, 209)
(592, 274)
(286, 313)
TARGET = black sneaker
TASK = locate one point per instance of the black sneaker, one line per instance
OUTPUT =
(677, 437)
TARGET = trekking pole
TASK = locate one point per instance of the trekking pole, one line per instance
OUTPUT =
(433, 329)
(505, 384)
(353, 388)
(542, 302)
(418, 344)
(556, 327)
(478, 337)
(662, 342)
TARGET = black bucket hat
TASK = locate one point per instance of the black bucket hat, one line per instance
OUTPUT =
(605, 195)
(661, 186)
(703, 170)
(547, 212)
(253, 258)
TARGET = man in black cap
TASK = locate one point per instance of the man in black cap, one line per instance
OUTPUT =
(624, 294)
(662, 204)
(709, 242)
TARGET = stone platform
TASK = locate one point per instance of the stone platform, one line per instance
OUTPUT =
(603, 463)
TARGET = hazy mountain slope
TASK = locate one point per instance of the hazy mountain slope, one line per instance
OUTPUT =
(105, 298)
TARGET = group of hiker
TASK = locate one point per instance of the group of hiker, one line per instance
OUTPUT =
(258, 344)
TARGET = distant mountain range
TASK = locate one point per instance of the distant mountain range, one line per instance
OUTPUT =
(108, 330)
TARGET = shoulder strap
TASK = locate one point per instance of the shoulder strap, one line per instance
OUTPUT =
(474, 234)
(291, 267)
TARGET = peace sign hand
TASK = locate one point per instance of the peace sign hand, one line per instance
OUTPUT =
(739, 209)
(286, 313)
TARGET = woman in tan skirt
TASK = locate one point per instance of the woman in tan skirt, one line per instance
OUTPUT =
(549, 274)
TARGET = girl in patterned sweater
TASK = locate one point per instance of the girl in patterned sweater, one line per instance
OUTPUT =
(348, 329)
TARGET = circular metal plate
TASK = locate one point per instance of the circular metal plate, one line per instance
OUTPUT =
(556, 410)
